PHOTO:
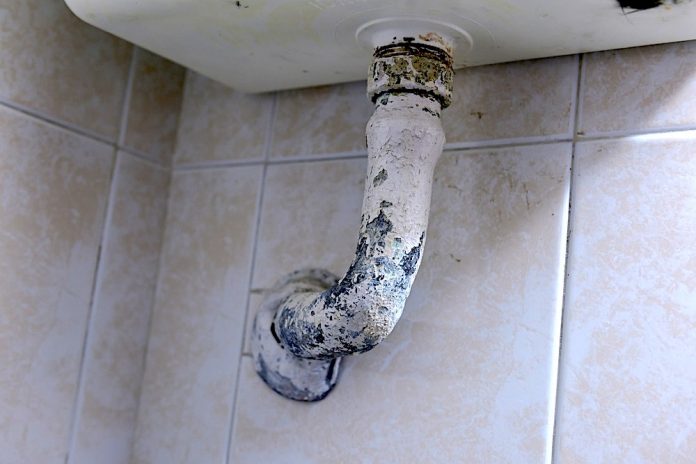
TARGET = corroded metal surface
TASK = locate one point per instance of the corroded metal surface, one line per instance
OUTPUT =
(310, 321)
(417, 67)
(404, 141)
(295, 378)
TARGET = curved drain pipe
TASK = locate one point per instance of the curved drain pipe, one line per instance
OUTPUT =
(311, 319)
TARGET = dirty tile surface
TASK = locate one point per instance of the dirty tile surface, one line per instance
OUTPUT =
(639, 89)
(468, 369)
(53, 63)
(220, 124)
(321, 120)
(198, 320)
(53, 193)
(512, 100)
(628, 358)
(115, 355)
(154, 106)
(309, 218)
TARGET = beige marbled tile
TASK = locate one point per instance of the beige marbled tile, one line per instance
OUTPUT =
(639, 89)
(310, 218)
(154, 107)
(321, 120)
(512, 100)
(115, 356)
(198, 321)
(53, 63)
(628, 357)
(466, 375)
(221, 124)
(53, 191)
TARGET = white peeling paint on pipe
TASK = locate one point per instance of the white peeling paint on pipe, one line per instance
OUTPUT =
(312, 319)
(405, 140)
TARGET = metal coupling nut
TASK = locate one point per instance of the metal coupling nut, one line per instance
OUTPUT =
(411, 67)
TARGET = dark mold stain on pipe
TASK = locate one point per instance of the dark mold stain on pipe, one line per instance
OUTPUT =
(310, 320)
(641, 5)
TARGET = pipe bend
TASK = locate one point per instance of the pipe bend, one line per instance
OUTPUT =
(405, 140)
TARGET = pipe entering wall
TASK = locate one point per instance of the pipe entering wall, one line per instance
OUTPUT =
(311, 319)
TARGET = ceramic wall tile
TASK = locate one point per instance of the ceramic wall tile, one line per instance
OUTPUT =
(55, 64)
(115, 355)
(53, 191)
(321, 120)
(220, 124)
(309, 218)
(512, 100)
(154, 106)
(639, 89)
(198, 320)
(628, 356)
(468, 372)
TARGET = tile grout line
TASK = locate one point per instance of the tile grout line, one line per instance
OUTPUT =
(318, 156)
(504, 143)
(580, 108)
(74, 130)
(155, 297)
(158, 278)
(145, 159)
(78, 400)
(58, 123)
(464, 146)
(618, 135)
(125, 109)
(457, 147)
(177, 138)
(575, 100)
(252, 267)
(454, 146)
(206, 165)
(271, 162)
(55, 122)
(558, 345)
